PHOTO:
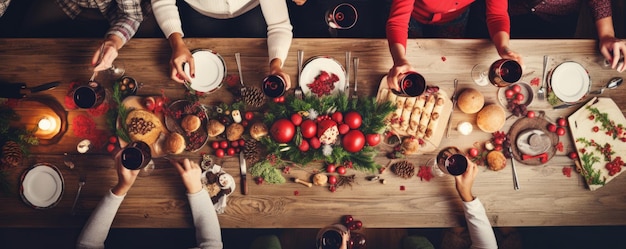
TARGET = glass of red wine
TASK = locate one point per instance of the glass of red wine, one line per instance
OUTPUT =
(452, 161)
(331, 237)
(411, 84)
(89, 95)
(501, 73)
(342, 16)
(136, 155)
(274, 86)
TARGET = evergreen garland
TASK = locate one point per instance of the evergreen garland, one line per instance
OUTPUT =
(373, 121)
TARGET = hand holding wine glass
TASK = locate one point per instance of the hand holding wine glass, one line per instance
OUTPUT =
(465, 181)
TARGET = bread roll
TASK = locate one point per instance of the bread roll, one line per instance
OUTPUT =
(258, 130)
(496, 160)
(470, 101)
(491, 118)
(190, 123)
(175, 143)
(215, 128)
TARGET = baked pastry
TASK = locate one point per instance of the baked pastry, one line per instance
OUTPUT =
(215, 128)
(491, 118)
(234, 132)
(496, 160)
(175, 143)
(190, 123)
(143, 126)
(470, 101)
(258, 130)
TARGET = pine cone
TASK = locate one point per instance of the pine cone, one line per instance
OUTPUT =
(11, 154)
(253, 96)
(403, 169)
(251, 151)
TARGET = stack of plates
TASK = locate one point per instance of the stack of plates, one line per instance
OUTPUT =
(570, 82)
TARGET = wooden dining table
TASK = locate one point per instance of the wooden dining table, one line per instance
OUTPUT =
(546, 196)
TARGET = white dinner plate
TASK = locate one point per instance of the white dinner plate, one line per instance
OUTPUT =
(210, 71)
(570, 81)
(42, 186)
(315, 66)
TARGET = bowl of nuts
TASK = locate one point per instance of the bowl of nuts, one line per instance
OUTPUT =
(127, 86)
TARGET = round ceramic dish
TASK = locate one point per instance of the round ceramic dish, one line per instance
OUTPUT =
(210, 71)
(570, 82)
(42, 186)
(313, 67)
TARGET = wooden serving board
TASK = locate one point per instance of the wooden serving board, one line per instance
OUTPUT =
(432, 143)
(135, 102)
(591, 159)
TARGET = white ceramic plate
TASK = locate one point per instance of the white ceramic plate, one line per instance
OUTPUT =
(524, 146)
(210, 71)
(315, 66)
(42, 186)
(570, 81)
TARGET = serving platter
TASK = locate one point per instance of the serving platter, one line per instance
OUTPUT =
(314, 66)
(599, 132)
(408, 110)
(42, 186)
(520, 132)
(175, 113)
(219, 185)
(136, 102)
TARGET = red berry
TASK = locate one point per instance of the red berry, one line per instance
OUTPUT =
(519, 97)
(110, 148)
(341, 170)
(332, 180)
(347, 219)
(112, 139)
(560, 131)
(561, 122)
(551, 127)
(219, 153)
(296, 119)
(249, 115)
(595, 129)
(224, 144)
(530, 114)
(509, 93)
(215, 145)
(330, 168)
(473, 152)
(516, 88)
(234, 144)
(230, 151)
(573, 155)
(402, 188)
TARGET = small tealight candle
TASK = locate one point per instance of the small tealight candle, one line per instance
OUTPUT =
(465, 128)
(46, 124)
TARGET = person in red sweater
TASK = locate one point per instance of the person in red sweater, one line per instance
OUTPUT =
(440, 18)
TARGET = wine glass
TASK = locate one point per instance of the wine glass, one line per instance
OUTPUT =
(452, 161)
(501, 73)
(342, 16)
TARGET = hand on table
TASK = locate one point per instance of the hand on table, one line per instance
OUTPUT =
(106, 53)
(275, 69)
(180, 55)
(125, 178)
(395, 72)
(465, 181)
(191, 173)
(613, 49)
(507, 53)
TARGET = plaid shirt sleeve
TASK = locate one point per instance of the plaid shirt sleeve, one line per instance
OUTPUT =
(125, 17)
(4, 4)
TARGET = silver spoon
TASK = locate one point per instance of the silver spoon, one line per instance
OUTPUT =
(611, 84)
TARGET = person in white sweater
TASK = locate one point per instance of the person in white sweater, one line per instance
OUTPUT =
(210, 15)
(208, 233)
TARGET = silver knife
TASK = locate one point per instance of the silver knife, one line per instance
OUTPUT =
(243, 167)
(454, 98)
(515, 181)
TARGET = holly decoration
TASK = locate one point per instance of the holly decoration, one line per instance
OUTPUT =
(335, 147)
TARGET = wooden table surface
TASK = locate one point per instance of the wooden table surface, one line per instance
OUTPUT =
(546, 197)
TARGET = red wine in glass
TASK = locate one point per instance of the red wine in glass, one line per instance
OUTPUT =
(89, 96)
(504, 72)
(136, 155)
(411, 84)
(456, 164)
(274, 86)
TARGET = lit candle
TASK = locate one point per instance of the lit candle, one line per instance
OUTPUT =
(465, 128)
(47, 124)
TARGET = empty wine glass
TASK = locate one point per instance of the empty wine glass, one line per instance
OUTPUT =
(501, 73)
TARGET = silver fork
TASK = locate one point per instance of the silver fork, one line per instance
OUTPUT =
(541, 93)
(298, 91)
(82, 179)
(355, 61)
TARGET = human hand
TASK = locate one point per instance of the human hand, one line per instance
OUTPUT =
(345, 237)
(395, 72)
(106, 53)
(275, 69)
(465, 181)
(613, 50)
(180, 55)
(191, 173)
(125, 177)
(299, 2)
(507, 53)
